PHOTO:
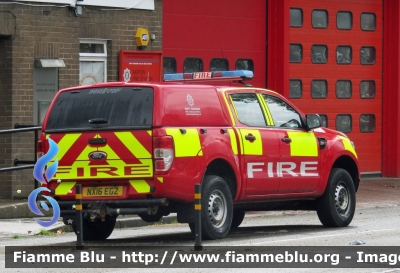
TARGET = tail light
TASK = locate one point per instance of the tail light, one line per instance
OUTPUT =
(40, 147)
(163, 154)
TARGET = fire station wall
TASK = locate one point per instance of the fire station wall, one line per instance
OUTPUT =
(53, 32)
(391, 84)
(5, 110)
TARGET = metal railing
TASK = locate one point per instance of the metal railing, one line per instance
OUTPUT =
(26, 164)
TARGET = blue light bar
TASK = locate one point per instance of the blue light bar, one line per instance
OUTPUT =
(216, 75)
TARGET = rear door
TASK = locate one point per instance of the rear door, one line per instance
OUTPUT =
(102, 133)
(259, 144)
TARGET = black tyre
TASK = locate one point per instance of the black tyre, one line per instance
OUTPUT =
(151, 218)
(335, 208)
(216, 208)
(97, 230)
(237, 219)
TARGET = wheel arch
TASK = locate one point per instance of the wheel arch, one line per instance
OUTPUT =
(347, 163)
(222, 168)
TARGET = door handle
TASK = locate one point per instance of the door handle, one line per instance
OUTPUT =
(250, 137)
(287, 139)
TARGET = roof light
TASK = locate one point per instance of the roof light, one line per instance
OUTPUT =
(206, 76)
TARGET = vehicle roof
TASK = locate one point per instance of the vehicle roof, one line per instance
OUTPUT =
(219, 88)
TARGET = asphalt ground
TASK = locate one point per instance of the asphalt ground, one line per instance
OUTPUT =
(16, 219)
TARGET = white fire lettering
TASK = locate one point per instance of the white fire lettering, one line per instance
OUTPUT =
(250, 168)
(306, 169)
(289, 169)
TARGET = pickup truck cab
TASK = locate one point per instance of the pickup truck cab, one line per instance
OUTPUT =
(139, 148)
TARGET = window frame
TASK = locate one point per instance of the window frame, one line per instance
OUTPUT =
(224, 59)
(351, 54)
(368, 114)
(290, 52)
(311, 55)
(301, 88)
(327, 19)
(374, 54)
(244, 59)
(202, 64)
(302, 17)
(311, 85)
(372, 13)
(351, 89)
(176, 64)
(94, 57)
(351, 123)
(367, 98)
(351, 18)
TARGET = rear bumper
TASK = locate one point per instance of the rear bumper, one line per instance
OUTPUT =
(114, 207)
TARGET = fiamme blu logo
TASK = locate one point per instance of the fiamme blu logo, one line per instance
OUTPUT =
(43, 175)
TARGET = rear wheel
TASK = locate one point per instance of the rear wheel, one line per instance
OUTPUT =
(335, 208)
(216, 208)
(97, 230)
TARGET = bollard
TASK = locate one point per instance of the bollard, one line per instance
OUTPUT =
(197, 215)
(79, 218)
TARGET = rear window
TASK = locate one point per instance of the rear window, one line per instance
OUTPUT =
(102, 109)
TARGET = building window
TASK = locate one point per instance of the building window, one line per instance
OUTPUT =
(92, 61)
(367, 55)
(296, 55)
(343, 55)
(219, 64)
(192, 65)
(244, 64)
(367, 89)
(343, 123)
(319, 54)
(296, 89)
(296, 17)
(367, 123)
(368, 21)
(343, 89)
(344, 20)
(319, 18)
(169, 65)
(324, 120)
(319, 89)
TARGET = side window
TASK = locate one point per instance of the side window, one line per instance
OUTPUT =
(248, 109)
(169, 65)
(282, 113)
(192, 65)
(244, 64)
(219, 64)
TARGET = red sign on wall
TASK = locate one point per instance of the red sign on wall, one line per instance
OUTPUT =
(140, 66)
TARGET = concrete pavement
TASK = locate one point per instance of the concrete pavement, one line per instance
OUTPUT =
(17, 220)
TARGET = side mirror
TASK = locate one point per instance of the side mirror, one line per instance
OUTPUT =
(313, 121)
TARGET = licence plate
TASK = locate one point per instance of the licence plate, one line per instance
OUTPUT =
(102, 191)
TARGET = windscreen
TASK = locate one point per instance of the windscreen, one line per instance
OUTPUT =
(102, 109)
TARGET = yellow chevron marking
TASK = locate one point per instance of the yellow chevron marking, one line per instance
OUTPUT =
(64, 187)
(140, 186)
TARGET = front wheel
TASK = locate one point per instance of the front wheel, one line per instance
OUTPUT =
(216, 208)
(335, 208)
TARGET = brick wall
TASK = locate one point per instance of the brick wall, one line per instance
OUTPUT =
(54, 32)
(5, 114)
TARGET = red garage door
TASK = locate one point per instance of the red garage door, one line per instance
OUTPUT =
(336, 69)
